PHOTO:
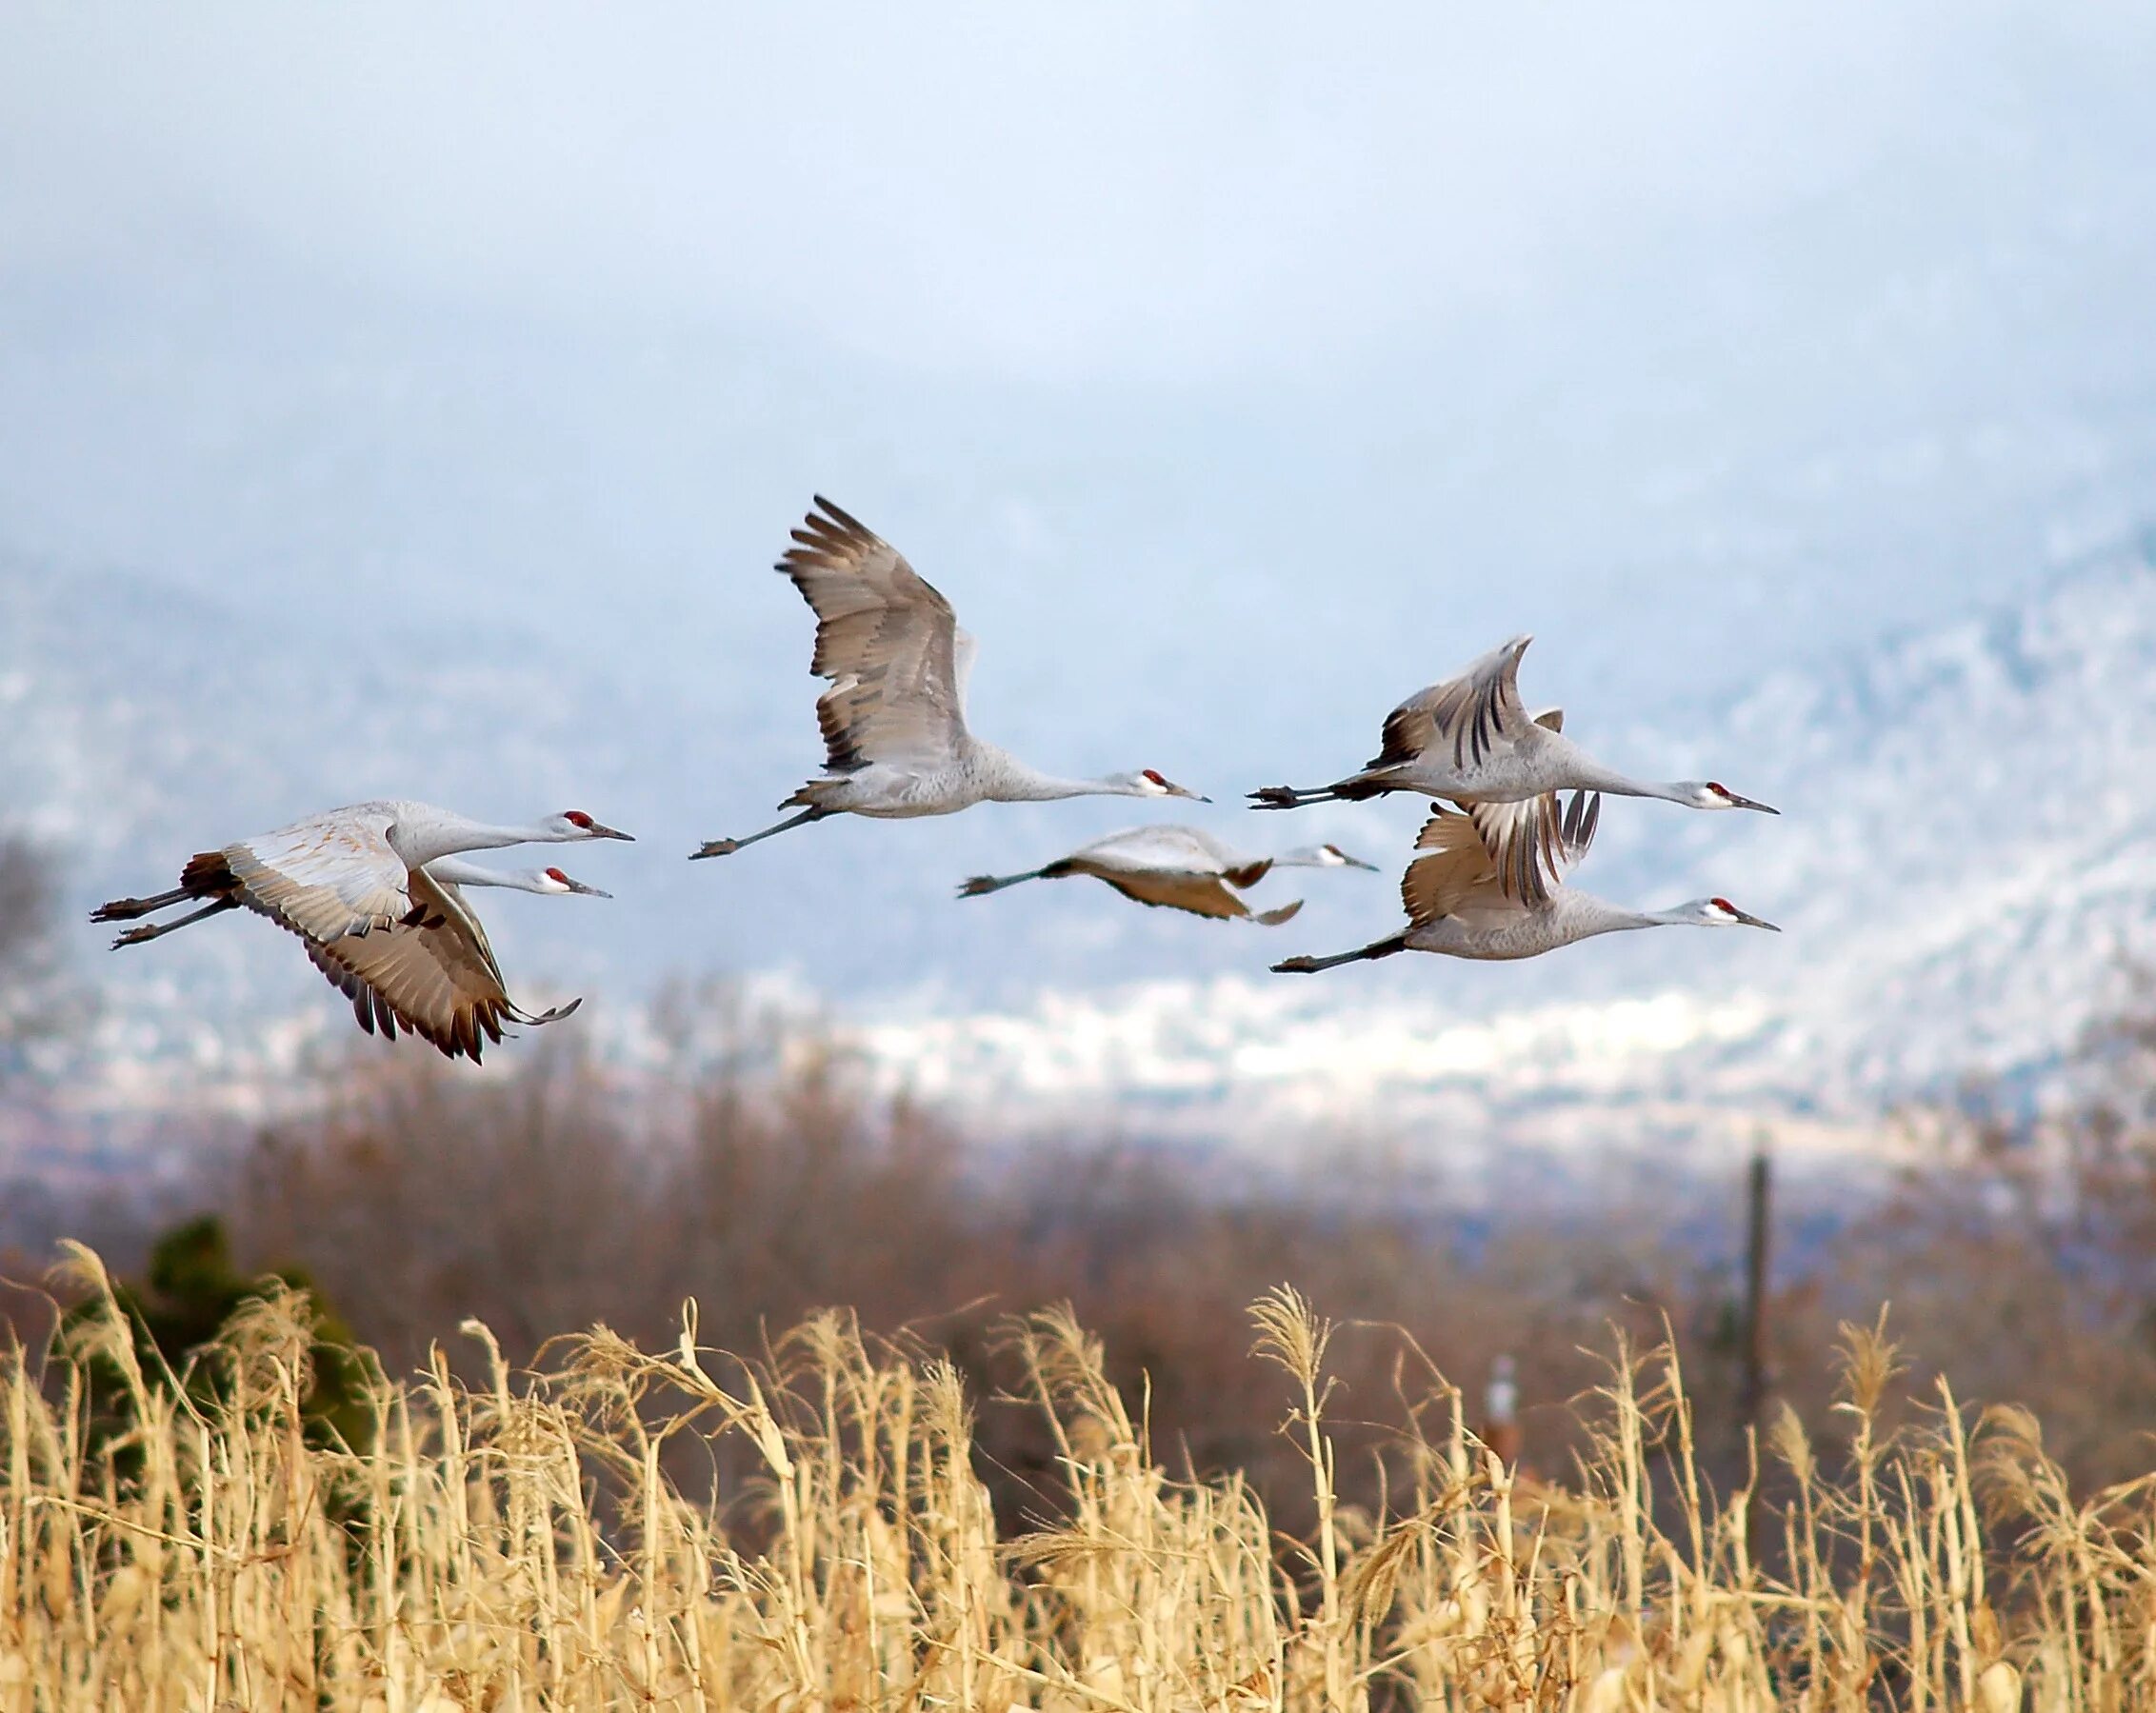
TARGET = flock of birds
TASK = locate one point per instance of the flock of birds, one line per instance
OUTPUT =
(375, 892)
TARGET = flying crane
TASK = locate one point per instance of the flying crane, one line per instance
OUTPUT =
(895, 739)
(365, 872)
(1457, 905)
(1472, 739)
(1181, 868)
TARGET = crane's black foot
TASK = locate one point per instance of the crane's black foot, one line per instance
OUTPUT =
(1296, 967)
(121, 910)
(137, 936)
(713, 847)
(1276, 797)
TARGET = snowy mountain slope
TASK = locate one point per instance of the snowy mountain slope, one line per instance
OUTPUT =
(1968, 850)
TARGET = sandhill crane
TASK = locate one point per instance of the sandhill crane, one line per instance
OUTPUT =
(895, 739)
(1179, 867)
(1472, 739)
(344, 871)
(433, 971)
(1457, 906)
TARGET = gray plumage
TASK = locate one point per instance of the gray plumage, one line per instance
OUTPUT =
(1177, 868)
(1458, 906)
(1472, 740)
(371, 891)
(896, 743)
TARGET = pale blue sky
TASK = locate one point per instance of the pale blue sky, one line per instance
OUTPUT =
(1204, 331)
(1235, 369)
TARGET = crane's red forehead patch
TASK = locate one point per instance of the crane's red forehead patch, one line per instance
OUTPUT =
(1718, 788)
(1155, 777)
(556, 875)
(577, 817)
(1723, 903)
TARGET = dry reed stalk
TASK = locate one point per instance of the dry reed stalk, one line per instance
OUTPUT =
(522, 1542)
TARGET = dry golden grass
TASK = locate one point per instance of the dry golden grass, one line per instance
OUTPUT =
(522, 1543)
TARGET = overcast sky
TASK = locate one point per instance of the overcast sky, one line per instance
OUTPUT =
(1195, 351)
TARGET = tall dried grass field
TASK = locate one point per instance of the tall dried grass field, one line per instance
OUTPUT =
(812, 1528)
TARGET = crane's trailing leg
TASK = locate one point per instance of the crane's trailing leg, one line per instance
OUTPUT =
(981, 885)
(1373, 781)
(716, 847)
(1289, 797)
(126, 909)
(142, 936)
(1377, 948)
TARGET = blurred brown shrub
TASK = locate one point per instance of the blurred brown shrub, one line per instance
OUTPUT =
(753, 1167)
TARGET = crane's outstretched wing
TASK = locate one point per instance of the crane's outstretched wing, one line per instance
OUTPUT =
(1198, 894)
(324, 878)
(1470, 712)
(432, 972)
(888, 643)
(1456, 873)
(1532, 844)
(1462, 875)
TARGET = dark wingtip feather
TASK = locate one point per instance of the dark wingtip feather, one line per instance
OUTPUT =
(839, 515)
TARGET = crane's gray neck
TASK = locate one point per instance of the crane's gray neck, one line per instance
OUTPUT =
(1015, 782)
(1591, 775)
(1587, 774)
(427, 845)
(1046, 787)
(1595, 915)
(471, 874)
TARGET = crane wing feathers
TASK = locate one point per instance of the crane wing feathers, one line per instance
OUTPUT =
(965, 647)
(888, 643)
(1497, 859)
(1521, 840)
(1199, 894)
(324, 878)
(1533, 843)
(1457, 871)
(434, 974)
(1472, 712)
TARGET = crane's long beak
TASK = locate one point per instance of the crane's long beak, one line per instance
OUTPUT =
(1754, 921)
(577, 885)
(1745, 803)
(1180, 791)
(1358, 862)
(607, 832)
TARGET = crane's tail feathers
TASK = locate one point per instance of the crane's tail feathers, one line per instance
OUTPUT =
(207, 875)
(816, 793)
(1377, 948)
(1274, 918)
